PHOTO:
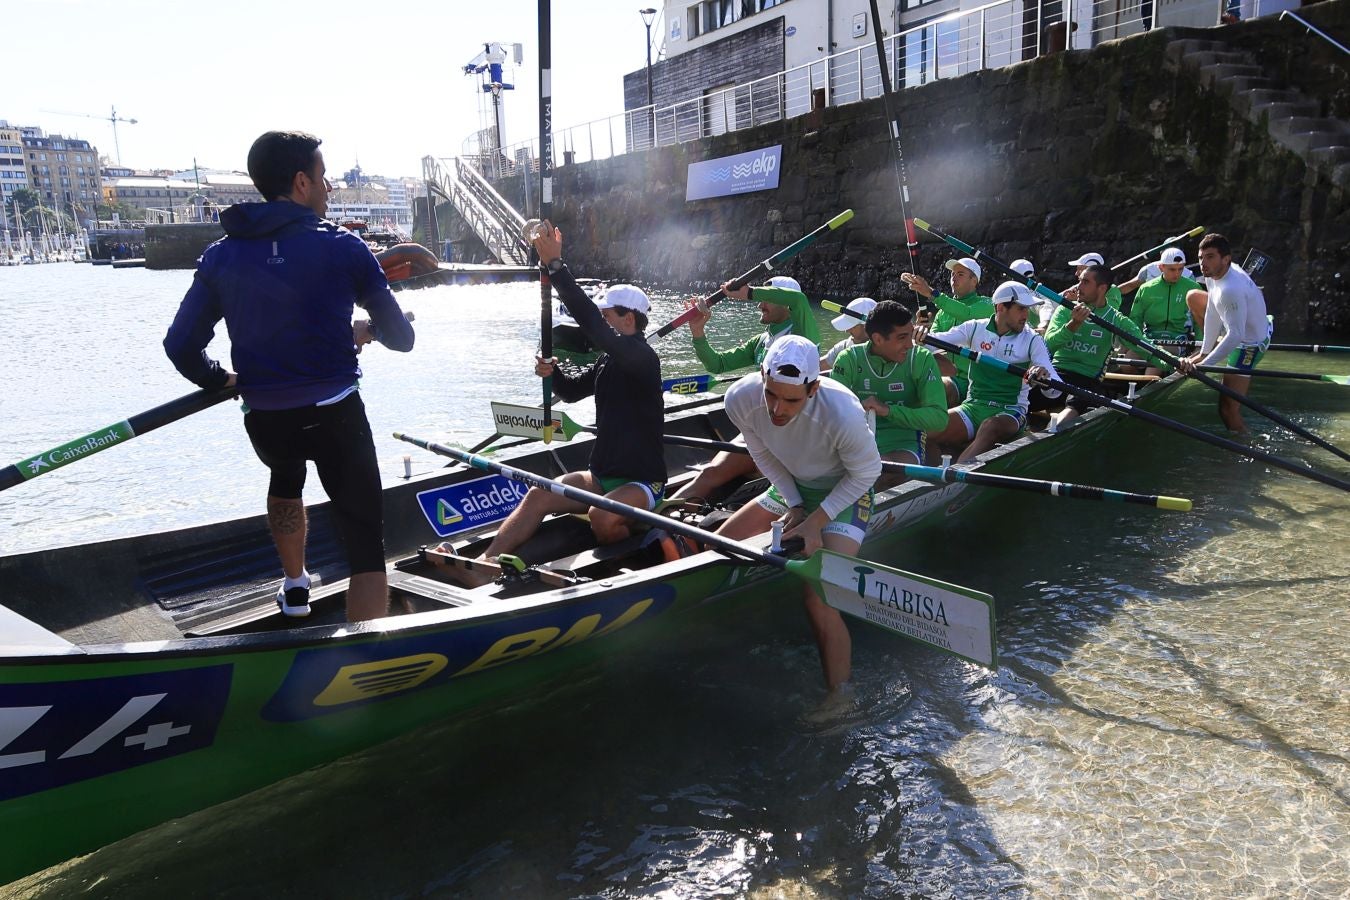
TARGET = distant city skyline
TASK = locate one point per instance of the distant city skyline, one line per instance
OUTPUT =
(374, 83)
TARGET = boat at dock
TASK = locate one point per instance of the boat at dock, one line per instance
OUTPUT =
(149, 676)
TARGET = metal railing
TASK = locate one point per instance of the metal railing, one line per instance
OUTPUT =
(1312, 29)
(496, 223)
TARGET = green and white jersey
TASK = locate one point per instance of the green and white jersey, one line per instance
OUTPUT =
(912, 388)
(1086, 350)
(987, 383)
(952, 311)
(751, 353)
(1160, 308)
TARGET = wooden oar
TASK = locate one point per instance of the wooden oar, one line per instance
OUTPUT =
(754, 274)
(529, 421)
(897, 152)
(1194, 232)
(117, 433)
(949, 617)
(1122, 406)
(1048, 293)
(1259, 373)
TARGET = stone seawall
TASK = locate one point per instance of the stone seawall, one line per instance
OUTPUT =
(1108, 150)
(179, 246)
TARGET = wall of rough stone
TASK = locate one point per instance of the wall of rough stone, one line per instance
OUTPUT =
(1105, 150)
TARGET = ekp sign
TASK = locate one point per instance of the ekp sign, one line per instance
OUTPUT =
(754, 170)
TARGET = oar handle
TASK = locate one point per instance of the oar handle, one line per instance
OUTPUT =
(116, 433)
(756, 273)
(1122, 406)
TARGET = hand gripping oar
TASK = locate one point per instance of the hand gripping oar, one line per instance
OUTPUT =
(1194, 232)
(754, 274)
(1144, 414)
(949, 617)
(1259, 373)
(117, 433)
(1050, 294)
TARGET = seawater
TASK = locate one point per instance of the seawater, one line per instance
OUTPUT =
(1170, 717)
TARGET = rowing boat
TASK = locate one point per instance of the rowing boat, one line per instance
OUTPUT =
(150, 676)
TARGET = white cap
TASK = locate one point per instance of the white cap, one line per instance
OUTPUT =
(1014, 291)
(861, 305)
(1088, 259)
(1172, 256)
(623, 295)
(795, 351)
(966, 263)
(1023, 267)
(786, 282)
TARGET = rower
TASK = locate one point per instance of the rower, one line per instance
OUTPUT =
(809, 436)
(1151, 270)
(1040, 315)
(1113, 297)
(853, 326)
(962, 305)
(1080, 348)
(783, 310)
(1237, 330)
(1160, 305)
(995, 409)
(899, 386)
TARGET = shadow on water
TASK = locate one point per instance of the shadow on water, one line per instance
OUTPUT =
(693, 766)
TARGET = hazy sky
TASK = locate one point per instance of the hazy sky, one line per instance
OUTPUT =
(382, 80)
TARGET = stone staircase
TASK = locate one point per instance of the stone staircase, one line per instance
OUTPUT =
(1294, 119)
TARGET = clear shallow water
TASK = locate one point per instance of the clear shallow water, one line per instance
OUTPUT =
(1170, 717)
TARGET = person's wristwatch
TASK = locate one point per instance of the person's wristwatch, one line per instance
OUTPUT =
(554, 266)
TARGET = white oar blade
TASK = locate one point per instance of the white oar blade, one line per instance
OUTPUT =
(946, 616)
(523, 421)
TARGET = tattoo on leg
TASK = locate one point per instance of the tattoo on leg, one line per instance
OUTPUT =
(285, 516)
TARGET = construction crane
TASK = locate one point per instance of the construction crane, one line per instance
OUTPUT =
(488, 64)
(114, 118)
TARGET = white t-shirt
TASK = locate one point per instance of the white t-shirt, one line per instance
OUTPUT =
(837, 349)
(826, 446)
(1237, 308)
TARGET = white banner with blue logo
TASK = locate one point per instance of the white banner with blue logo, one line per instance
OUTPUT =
(744, 173)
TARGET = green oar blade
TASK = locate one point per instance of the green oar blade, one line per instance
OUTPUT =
(1337, 379)
(951, 618)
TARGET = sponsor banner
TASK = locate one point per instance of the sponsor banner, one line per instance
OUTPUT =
(325, 680)
(60, 732)
(469, 504)
(521, 421)
(80, 447)
(754, 170)
(925, 610)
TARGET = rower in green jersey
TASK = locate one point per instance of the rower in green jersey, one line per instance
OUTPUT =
(962, 305)
(783, 310)
(899, 386)
(1113, 296)
(1160, 305)
(853, 322)
(1080, 348)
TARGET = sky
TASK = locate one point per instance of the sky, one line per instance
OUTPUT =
(382, 83)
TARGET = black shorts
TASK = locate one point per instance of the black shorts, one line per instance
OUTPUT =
(337, 438)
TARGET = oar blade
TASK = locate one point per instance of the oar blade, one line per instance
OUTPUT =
(688, 384)
(1180, 504)
(527, 421)
(948, 617)
(1337, 379)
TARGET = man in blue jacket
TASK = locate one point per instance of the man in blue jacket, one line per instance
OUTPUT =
(286, 282)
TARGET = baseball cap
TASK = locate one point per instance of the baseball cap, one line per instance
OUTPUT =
(623, 295)
(1088, 259)
(1172, 256)
(1023, 267)
(967, 263)
(862, 305)
(786, 282)
(797, 352)
(1012, 291)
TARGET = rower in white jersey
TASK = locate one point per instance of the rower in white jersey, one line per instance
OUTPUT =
(995, 408)
(809, 437)
(1237, 331)
(853, 326)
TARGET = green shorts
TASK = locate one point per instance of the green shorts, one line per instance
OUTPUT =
(655, 490)
(962, 383)
(851, 523)
(976, 412)
(890, 440)
(1247, 356)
